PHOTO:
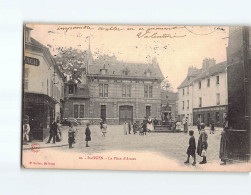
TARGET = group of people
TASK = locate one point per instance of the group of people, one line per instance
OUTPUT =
(143, 128)
(55, 132)
(72, 134)
(202, 145)
(211, 123)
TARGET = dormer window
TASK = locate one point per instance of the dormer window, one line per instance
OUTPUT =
(125, 72)
(71, 89)
(148, 73)
(103, 70)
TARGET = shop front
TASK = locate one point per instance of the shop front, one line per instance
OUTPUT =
(214, 113)
(41, 111)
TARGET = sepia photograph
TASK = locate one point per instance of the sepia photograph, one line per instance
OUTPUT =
(136, 97)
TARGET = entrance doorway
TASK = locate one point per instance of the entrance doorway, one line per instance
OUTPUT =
(103, 113)
(148, 111)
(125, 114)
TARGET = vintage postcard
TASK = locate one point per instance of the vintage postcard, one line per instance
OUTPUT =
(120, 97)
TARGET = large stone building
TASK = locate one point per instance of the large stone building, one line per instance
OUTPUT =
(204, 93)
(43, 87)
(115, 91)
(210, 93)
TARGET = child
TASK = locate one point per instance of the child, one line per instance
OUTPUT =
(141, 131)
(202, 144)
(87, 134)
(104, 129)
(191, 148)
(144, 127)
(71, 135)
(135, 127)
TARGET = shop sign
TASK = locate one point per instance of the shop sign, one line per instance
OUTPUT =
(32, 61)
(209, 109)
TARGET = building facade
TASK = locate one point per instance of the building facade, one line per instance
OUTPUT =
(185, 95)
(43, 87)
(204, 93)
(116, 92)
(210, 97)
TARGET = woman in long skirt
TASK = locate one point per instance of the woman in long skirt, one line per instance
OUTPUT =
(125, 128)
(149, 125)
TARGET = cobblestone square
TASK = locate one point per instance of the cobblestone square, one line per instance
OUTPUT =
(171, 145)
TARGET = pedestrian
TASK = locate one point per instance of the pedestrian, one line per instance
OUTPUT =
(125, 128)
(150, 124)
(211, 125)
(53, 132)
(101, 124)
(104, 129)
(144, 127)
(71, 135)
(202, 144)
(26, 130)
(191, 148)
(155, 121)
(87, 134)
(59, 132)
(185, 124)
(141, 130)
(198, 123)
(224, 141)
(129, 127)
(135, 127)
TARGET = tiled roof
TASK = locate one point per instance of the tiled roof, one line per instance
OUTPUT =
(117, 68)
(189, 80)
(213, 70)
(36, 43)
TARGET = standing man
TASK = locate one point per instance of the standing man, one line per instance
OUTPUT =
(129, 126)
(224, 140)
(198, 122)
(185, 125)
(211, 125)
(53, 132)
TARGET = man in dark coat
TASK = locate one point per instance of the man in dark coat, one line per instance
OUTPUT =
(144, 127)
(129, 127)
(198, 123)
(211, 125)
(53, 132)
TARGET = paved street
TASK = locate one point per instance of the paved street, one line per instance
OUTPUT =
(172, 145)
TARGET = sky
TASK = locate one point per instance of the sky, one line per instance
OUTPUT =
(175, 47)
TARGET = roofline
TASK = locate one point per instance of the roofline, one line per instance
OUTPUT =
(47, 54)
(125, 77)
